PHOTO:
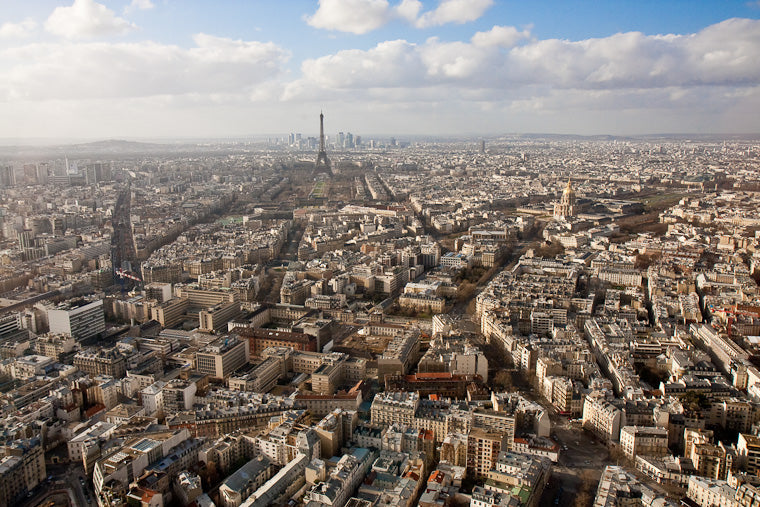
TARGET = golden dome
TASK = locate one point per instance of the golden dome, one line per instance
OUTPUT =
(568, 188)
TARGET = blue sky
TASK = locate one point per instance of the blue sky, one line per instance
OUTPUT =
(175, 68)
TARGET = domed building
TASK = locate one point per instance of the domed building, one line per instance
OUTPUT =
(566, 206)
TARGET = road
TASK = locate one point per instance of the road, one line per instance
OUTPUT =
(70, 478)
(59, 495)
(460, 308)
(290, 250)
(581, 461)
(122, 244)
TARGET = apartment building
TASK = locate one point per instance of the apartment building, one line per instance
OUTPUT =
(748, 447)
(262, 378)
(483, 448)
(643, 441)
(400, 355)
(222, 357)
(394, 407)
(602, 417)
(215, 318)
(170, 313)
(22, 468)
(240, 485)
(96, 362)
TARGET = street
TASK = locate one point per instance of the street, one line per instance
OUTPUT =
(64, 478)
(581, 462)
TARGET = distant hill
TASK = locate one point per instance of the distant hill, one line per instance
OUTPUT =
(114, 145)
(646, 137)
(96, 149)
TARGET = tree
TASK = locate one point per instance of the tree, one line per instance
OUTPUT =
(549, 250)
(617, 454)
(465, 291)
(582, 499)
(708, 259)
(643, 261)
(695, 402)
(586, 490)
(502, 380)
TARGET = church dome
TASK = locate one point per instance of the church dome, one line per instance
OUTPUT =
(568, 188)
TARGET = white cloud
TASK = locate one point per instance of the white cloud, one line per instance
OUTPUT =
(139, 5)
(719, 55)
(614, 84)
(86, 19)
(354, 16)
(454, 11)
(19, 30)
(452, 61)
(363, 16)
(386, 65)
(500, 80)
(502, 36)
(409, 10)
(96, 70)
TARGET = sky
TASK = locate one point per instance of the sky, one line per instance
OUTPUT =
(160, 69)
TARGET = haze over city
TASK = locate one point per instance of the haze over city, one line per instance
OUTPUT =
(143, 69)
(379, 253)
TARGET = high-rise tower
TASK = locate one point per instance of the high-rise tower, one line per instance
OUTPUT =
(323, 163)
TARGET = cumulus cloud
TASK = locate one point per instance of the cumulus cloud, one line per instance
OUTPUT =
(501, 79)
(19, 30)
(719, 55)
(706, 78)
(86, 19)
(139, 5)
(454, 11)
(95, 70)
(502, 36)
(409, 10)
(386, 65)
(363, 16)
(354, 16)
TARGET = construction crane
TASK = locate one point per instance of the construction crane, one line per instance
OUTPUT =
(125, 274)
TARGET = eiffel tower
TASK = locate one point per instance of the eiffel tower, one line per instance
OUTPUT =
(323, 163)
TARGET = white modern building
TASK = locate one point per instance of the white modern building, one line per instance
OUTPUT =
(79, 318)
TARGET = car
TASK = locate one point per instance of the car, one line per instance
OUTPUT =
(588, 462)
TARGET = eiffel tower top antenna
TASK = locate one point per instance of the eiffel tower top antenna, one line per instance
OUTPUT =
(321, 132)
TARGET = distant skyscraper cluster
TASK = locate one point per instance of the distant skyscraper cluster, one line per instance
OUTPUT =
(341, 141)
(7, 176)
